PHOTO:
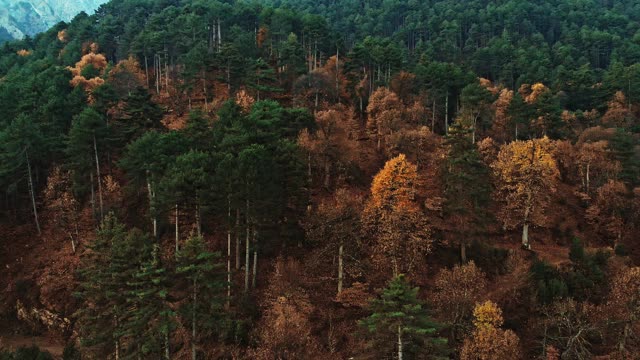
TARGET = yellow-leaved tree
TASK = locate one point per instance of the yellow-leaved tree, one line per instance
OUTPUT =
(393, 218)
(526, 175)
(488, 341)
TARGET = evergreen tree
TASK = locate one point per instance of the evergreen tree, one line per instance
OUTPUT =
(203, 278)
(88, 138)
(400, 326)
(262, 79)
(467, 188)
(23, 148)
(150, 319)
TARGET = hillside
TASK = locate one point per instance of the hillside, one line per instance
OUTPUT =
(292, 179)
(19, 18)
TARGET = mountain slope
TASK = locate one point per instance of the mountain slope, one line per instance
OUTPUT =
(28, 17)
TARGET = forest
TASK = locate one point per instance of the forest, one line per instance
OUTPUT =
(322, 179)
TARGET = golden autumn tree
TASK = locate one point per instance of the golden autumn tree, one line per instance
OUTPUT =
(488, 341)
(384, 114)
(526, 175)
(393, 218)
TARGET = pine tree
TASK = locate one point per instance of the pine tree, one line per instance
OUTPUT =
(203, 277)
(87, 140)
(399, 324)
(99, 318)
(466, 185)
(150, 320)
(22, 147)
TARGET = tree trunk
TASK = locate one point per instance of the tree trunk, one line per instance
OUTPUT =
(525, 236)
(433, 117)
(399, 342)
(73, 243)
(246, 255)
(32, 192)
(340, 267)
(177, 229)
(237, 239)
(93, 196)
(446, 115)
(198, 221)
(587, 175)
(255, 266)
(193, 319)
(254, 235)
(95, 150)
(154, 220)
(229, 252)
(146, 69)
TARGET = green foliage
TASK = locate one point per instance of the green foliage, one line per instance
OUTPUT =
(584, 280)
(550, 284)
(398, 310)
(110, 285)
(88, 133)
(202, 276)
(26, 353)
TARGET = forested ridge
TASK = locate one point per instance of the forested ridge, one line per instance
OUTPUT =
(300, 179)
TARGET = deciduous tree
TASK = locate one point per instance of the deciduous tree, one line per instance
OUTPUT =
(526, 175)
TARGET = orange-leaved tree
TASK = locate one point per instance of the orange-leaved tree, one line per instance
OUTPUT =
(526, 174)
(393, 218)
(488, 341)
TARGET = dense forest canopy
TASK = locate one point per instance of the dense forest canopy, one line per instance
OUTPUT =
(294, 179)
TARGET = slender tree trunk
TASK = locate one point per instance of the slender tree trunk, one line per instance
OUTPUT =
(154, 220)
(93, 196)
(117, 353)
(254, 235)
(246, 255)
(525, 236)
(193, 320)
(255, 266)
(433, 117)
(229, 252)
(588, 180)
(399, 342)
(73, 244)
(32, 192)
(177, 229)
(146, 69)
(340, 268)
(237, 231)
(446, 115)
(198, 221)
(95, 150)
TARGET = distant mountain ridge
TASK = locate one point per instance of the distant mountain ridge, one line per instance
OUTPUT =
(28, 17)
